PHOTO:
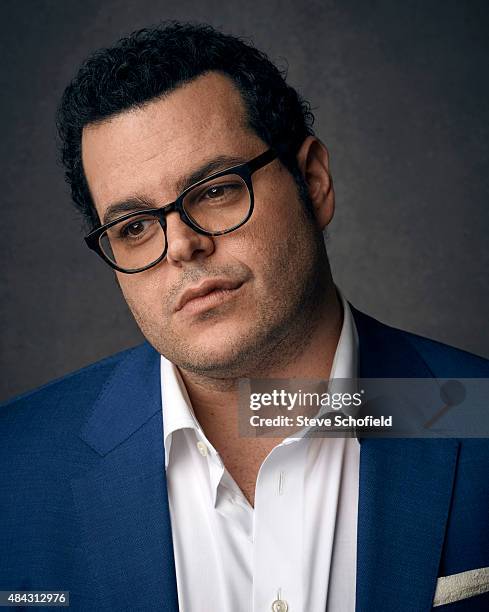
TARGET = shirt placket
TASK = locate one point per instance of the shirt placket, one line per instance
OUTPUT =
(278, 530)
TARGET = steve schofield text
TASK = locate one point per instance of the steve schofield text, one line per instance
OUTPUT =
(338, 420)
(324, 410)
(364, 407)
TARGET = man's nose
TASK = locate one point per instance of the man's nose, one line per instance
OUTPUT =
(184, 244)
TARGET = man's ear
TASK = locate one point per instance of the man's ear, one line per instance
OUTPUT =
(313, 162)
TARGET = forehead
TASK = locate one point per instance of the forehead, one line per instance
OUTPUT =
(147, 150)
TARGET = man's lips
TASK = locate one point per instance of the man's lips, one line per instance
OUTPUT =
(211, 288)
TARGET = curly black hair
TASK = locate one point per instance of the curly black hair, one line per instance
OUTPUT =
(154, 61)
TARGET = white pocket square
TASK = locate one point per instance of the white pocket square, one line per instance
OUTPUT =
(461, 586)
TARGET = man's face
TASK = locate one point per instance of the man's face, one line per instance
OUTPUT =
(270, 268)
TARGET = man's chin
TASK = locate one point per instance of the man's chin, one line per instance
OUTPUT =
(215, 331)
(214, 355)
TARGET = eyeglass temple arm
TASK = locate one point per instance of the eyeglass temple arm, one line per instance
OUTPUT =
(262, 160)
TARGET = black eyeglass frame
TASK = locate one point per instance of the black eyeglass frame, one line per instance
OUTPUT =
(245, 171)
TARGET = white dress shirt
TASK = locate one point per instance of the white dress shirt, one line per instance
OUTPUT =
(297, 546)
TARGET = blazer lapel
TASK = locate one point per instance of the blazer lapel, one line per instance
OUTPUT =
(405, 491)
(126, 547)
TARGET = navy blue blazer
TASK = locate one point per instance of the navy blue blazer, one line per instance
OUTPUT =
(83, 498)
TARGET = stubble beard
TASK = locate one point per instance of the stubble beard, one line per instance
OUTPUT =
(286, 319)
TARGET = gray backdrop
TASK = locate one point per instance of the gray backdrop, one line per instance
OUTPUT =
(400, 93)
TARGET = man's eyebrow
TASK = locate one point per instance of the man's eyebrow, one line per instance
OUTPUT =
(214, 165)
(135, 203)
(126, 206)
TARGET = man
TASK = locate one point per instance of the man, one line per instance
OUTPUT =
(127, 483)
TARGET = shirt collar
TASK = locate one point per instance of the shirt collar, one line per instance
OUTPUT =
(177, 408)
(345, 361)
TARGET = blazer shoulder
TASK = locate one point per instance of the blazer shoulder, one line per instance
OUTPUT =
(40, 430)
(80, 387)
(442, 360)
(448, 361)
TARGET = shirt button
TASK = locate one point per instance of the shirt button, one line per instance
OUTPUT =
(280, 605)
(203, 450)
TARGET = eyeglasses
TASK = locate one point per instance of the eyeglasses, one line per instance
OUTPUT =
(216, 205)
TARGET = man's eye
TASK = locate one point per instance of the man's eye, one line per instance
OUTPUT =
(136, 228)
(222, 192)
(216, 192)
